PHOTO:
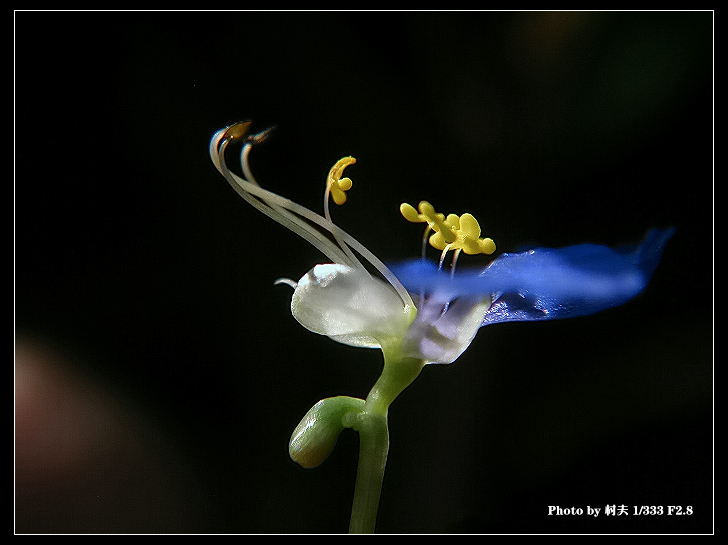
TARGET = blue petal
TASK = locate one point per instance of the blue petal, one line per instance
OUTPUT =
(546, 283)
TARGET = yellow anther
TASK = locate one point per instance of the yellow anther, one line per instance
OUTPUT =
(434, 220)
(459, 233)
(337, 185)
(445, 238)
(409, 213)
(468, 237)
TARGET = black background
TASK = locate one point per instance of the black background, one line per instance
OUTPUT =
(148, 279)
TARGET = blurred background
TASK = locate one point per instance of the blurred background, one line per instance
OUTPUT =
(158, 371)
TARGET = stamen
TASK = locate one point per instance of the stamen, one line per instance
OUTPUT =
(295, 217)
(252, 139)
(444, 239)
(336, 186)
(236, 131)
(435, 221)
(424, 241)
(459, 233)
(468, 237)
(264, 201)
(442, 257)
(455, 256)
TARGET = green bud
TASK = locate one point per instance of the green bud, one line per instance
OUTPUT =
(315, 436)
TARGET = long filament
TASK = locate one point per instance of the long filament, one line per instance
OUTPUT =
(290, 214)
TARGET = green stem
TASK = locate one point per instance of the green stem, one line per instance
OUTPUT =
(396, 376)
(371, 423)
(373, 450)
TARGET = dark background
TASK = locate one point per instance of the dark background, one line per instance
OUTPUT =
(159, 373)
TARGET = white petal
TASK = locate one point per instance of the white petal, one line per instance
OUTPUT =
(349, 305)
(443, 329)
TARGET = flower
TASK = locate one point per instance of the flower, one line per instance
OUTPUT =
(417, 310)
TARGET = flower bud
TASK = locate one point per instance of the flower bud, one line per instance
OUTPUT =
(315, 436)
